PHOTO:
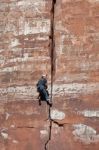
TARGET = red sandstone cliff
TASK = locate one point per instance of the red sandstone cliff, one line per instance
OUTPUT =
(61, 38)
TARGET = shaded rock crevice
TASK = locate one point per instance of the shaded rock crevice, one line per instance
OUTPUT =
(52, 45)
(52, 48)
(27, 127)
(59, 124)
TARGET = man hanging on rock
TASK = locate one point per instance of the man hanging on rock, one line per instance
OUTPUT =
(42, 89)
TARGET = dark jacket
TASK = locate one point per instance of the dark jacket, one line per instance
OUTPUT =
(42, 83)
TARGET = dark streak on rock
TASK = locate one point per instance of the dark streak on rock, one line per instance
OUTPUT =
(52, 46)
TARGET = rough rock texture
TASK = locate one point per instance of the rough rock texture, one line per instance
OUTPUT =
(75, 111)
(23, 126)
(61, 38)
(24, 45)
(25, 28)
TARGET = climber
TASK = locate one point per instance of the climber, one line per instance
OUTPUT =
(42, 90)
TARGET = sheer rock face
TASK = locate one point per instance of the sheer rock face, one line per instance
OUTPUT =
(23, 125)
(24, 56)
(76, 86)
(28, 33)
(25, 45)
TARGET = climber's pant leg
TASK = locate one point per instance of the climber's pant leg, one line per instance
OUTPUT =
(45, 94)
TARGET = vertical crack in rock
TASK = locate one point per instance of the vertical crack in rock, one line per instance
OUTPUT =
(52, 47)
(50, 129)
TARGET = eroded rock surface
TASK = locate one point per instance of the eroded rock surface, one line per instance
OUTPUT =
(25, 28)
(76, 85)
(61, 38)
(24, 125)
(24, 47)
